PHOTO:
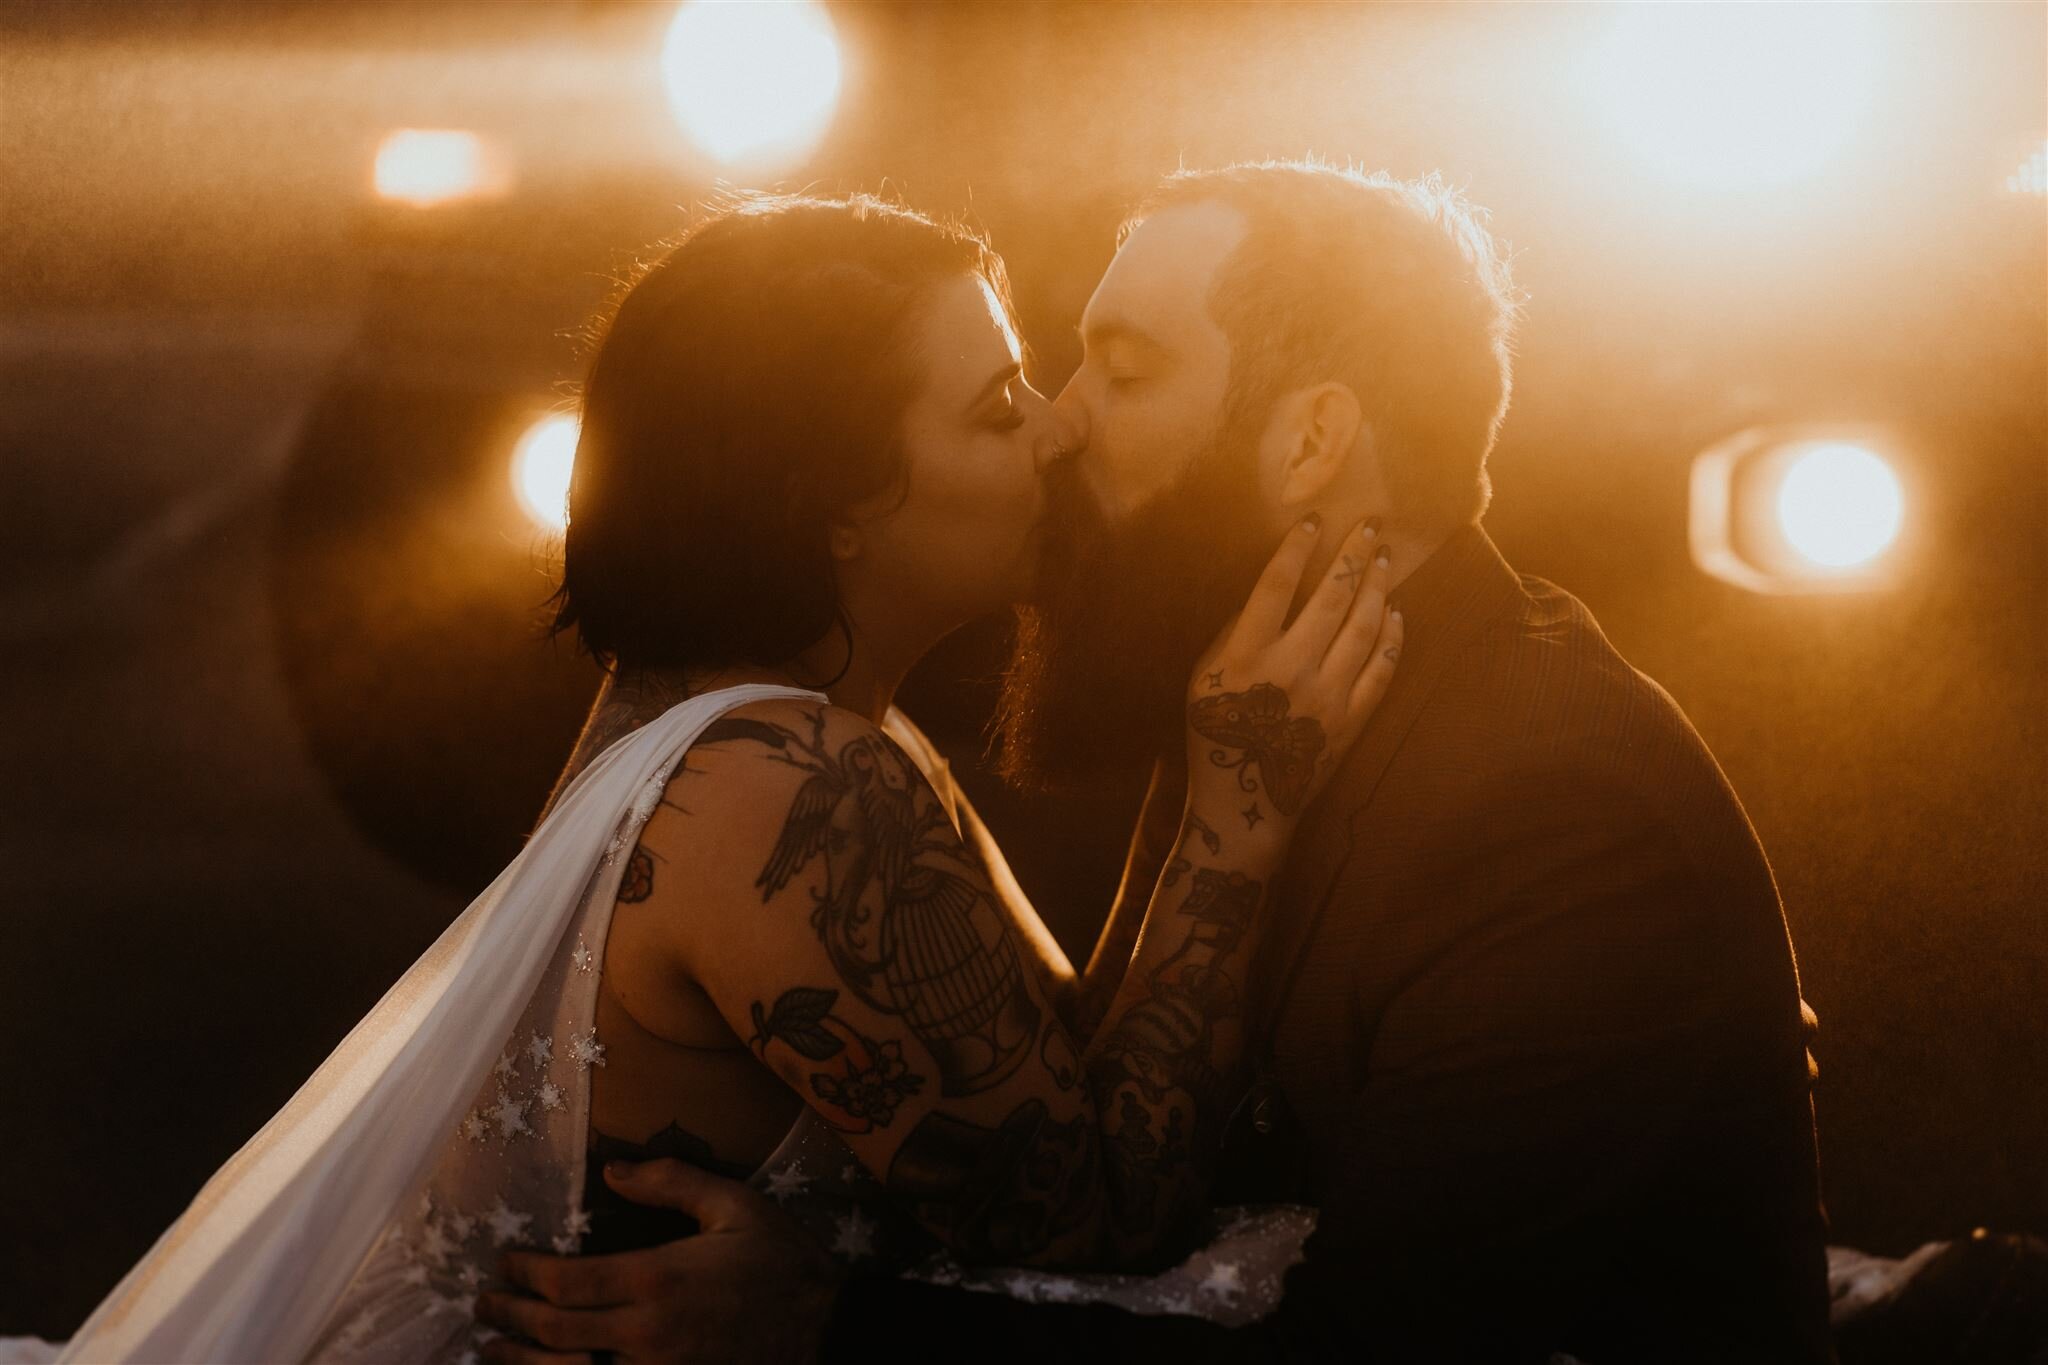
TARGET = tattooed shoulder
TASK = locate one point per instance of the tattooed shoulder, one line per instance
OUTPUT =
(864, 851)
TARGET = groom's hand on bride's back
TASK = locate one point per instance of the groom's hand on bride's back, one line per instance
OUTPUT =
(751, 1286)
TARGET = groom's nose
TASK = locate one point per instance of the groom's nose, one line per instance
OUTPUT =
(1072, 414)
(1063, 442)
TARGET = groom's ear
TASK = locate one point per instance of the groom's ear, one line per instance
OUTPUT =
(1309, 443)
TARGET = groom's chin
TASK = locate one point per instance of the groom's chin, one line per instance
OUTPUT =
(1069, 717)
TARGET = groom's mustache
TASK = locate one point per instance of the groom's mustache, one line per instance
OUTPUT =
(1072, 522)
(1123, 608)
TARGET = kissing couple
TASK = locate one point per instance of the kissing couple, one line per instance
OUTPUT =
(1446, 1010)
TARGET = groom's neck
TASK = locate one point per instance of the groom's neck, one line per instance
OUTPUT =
(1407, 546)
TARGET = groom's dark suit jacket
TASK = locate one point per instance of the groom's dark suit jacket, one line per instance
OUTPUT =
(1533, 1019)
(1531, 1038)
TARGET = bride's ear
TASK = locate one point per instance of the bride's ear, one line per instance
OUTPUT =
(1309, 443)
(845, 541)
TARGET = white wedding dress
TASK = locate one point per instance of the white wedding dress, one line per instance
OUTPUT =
(451, 1125)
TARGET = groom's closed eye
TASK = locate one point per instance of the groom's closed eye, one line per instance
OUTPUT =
(1121, 347)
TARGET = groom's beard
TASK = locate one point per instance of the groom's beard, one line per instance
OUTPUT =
(1097, 682)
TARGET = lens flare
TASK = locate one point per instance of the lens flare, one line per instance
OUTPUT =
(751, 80)
(1839, 505)
(1733, 96)
(428, 166)
(541, 465)
(2032, 176)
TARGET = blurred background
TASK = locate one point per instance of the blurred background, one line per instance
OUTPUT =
(290, 305)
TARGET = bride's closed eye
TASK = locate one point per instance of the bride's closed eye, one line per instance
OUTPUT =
(1009, 417)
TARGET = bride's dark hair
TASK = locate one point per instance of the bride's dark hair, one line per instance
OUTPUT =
(747, 389)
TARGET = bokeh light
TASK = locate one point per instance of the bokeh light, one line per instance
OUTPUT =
(1735, 96)
(2032, 176)
(428, 166)
(541, 465)
(1839, 505)
(750, 81)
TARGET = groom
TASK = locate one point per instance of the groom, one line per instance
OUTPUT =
(1532, 1034)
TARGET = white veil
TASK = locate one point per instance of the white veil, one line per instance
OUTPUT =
(256, 1267)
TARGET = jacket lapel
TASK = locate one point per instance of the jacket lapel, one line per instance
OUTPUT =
(1445, 604)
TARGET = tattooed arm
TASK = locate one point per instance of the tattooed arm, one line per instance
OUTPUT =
(839, 924)
(1162, 1066)
(1056, 974)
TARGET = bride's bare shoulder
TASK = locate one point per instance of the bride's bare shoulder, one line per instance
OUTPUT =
(763, 775)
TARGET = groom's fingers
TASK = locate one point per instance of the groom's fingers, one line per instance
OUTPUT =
(573, 1281)
(558, 1329)
(712, 1200)
(505, 1351)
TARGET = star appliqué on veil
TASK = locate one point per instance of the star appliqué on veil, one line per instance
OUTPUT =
(540, 1049)
(507, 1225)
(1222, 1281)
(587, 1050)
(784, 1182)
(582, 957)
(856, 1237)
(435, 1244)
(510, 1116)
(353, 1336)
(549, 1095)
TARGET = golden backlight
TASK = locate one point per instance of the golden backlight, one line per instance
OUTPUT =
(428, 166)
(541, 465)
(751, 80)
(1839, 505)
(2032, 176)
(1735, 96)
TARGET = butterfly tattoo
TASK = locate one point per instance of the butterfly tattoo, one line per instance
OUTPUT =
(1256, 723)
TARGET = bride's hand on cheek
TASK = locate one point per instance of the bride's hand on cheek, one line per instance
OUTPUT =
(1273, 706)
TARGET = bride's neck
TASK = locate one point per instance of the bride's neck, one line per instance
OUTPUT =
(631, 697)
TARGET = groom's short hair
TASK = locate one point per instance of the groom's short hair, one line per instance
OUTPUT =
(1393, 287)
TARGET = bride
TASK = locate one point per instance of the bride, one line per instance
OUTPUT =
(758, 927)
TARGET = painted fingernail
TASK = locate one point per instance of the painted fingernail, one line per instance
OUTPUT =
(1372, 526)
(1397, 613)
(1314, 521)
(1383, 559)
